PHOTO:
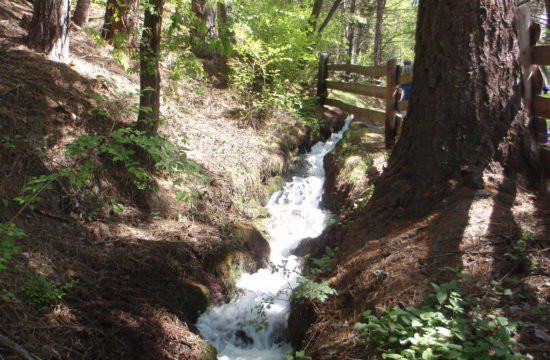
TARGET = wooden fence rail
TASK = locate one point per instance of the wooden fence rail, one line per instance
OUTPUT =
(394, 77)
(531, 56)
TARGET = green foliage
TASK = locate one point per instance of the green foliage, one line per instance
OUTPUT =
(447, 326)
(121, 146)
(275, 56)
(298, 355)
(320, 265)
(9, 233)
(313, 290)
(520, 247)
(7, 296)
(42, 292)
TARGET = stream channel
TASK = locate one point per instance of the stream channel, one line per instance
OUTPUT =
(295, 214)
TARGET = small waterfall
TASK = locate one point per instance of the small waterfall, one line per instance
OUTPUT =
(233, 328)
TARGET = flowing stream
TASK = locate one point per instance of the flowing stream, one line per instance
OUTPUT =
(295, 215)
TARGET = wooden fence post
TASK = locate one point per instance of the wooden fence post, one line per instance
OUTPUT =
(322, 76)
(391, 84)
(524, 22)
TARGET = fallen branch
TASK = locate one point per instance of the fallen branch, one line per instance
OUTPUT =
(16, 348)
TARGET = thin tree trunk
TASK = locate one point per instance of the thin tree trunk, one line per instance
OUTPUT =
(351, 32)
(149, 102)
(547, 7)
(49, 29)
(119, 18)
(204, 32)
(80, 16)
(315, 13)
(380, 9)
(330, 14)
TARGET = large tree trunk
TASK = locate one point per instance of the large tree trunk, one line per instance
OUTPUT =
(466, 104)
(205, 30)
(149, 50)
(49, 29)
(380, 9)
(119, 19)
(80, 16)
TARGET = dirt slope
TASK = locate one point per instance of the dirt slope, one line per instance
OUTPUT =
(139, 273)
(380, 264)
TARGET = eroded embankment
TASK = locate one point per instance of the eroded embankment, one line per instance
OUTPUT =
(380, 264)
(136, 267)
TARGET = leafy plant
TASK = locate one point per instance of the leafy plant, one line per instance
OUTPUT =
(448, 326)
(313, 290)
(9, 233)
(320, 265)
(298, 355)
(41, 291)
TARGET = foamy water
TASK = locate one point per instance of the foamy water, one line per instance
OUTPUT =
(295, 214)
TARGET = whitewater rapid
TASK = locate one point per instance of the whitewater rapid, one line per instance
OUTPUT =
(295, 214)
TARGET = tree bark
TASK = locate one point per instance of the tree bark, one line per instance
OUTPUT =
(330, 14)
(80, 16)
(119, 19)
(49, 29)
(465, 111)
(380, 9)
(205, 30)
(547, 7)
(351, 32)
(149, 101)
(315, 13)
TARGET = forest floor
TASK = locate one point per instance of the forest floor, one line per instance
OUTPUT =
(498, 234)
(99, 274)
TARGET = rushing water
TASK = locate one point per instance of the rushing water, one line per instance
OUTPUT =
(295, 215)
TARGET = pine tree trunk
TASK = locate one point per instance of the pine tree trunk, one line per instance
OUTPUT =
(380, 9)
(149, 104)
(119, 19)
(49, 29)
(466, 107)
(80, 16)
(206, 30)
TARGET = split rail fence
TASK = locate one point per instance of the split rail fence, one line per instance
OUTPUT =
(532, 55)
(393, 76)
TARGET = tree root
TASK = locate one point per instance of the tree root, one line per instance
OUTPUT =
(18, 349)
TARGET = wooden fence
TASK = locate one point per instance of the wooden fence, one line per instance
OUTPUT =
(393, 76)
(531, 56)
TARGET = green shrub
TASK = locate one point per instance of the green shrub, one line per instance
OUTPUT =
(9, 233)
(42, 292)
(447, 326)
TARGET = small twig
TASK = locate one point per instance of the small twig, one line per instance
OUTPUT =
(16, 348)
(30, 200)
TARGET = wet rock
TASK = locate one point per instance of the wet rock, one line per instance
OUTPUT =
(334, 120)
(302, 316)
(206, 351)
(244, 250)
(197, 299)
(243, 337)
